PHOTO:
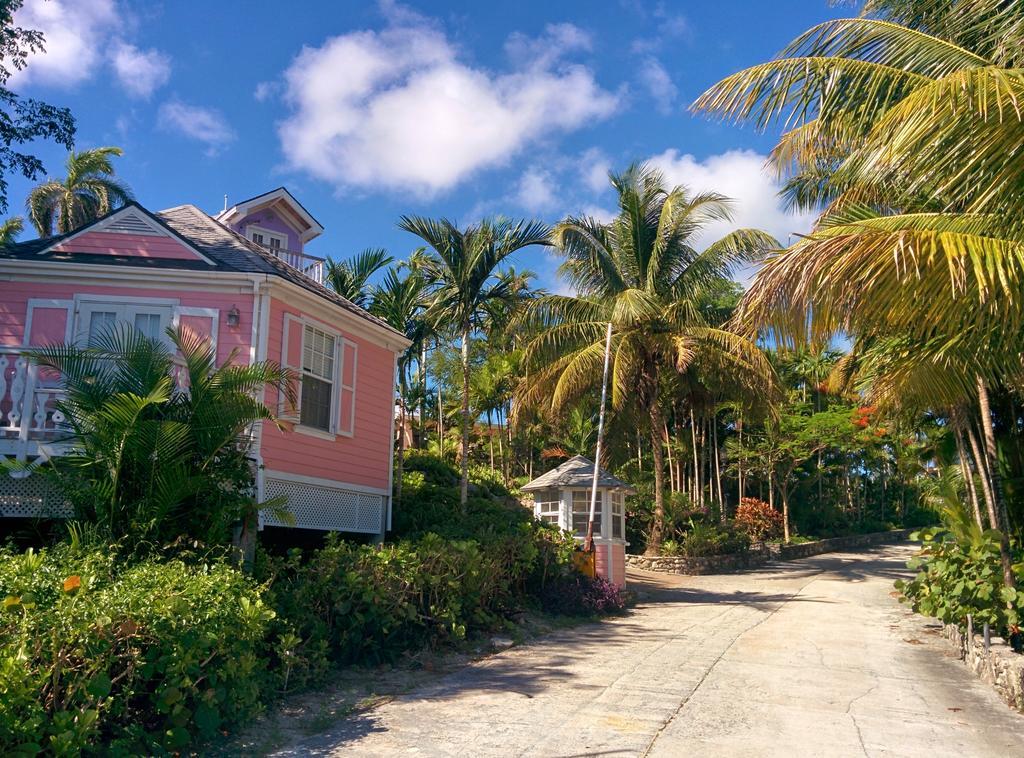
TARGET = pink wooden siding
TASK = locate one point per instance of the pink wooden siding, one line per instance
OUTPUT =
(362, 459)
(611, 562)
(48, 323)
(136, 245)
(271, 221)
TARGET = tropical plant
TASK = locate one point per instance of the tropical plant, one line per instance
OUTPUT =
(153, 459)
(10, 229)
(904, 123)
(643, 273)
(350, 278)
(400, 302)
(463, 265)
(89, 190)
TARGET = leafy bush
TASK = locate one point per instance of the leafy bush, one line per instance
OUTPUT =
(143, 659)
(152, 463)
(578, 595)
(961, 574)
(713, 539)
(758, 519)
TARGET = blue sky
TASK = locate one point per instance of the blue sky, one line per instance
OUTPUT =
(368, 111)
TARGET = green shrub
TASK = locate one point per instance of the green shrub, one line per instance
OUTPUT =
(957, 577)
(713, 539)
(144, 659)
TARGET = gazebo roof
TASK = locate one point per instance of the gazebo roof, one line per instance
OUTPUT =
(576, 472)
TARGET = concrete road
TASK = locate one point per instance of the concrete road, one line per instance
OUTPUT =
(807, 658)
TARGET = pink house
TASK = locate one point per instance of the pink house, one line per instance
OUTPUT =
(243, 279)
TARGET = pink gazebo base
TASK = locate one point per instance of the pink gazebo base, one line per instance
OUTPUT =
(611, 561)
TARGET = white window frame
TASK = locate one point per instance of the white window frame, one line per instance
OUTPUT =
(335, 380)
(598, 512)
(127, 308)
(620, 517)
(549, 508)
(337, 386)
(268, 234)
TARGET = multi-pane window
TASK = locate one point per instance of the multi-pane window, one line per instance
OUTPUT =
(97, 317)
(581, 513)
(318, 352)
(618, 514)
(548, 506)
(273, 241)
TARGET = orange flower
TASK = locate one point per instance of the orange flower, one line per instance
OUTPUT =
(72, 583)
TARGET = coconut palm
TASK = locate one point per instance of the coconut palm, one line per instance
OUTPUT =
(10, 229)
(401, 302)
(644, 273)
(906, 122)
(89, 190)
(350, 278)
(464, 263)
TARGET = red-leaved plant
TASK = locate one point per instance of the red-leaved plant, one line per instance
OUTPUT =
(758, 519)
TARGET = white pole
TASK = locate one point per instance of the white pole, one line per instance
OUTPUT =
(588, 545)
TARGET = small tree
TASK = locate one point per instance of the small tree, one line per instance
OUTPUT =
(153, 461)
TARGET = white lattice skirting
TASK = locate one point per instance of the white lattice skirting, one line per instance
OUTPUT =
(31, 497)
(316, 506)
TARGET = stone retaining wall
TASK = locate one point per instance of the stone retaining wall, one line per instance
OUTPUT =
(998, 665)
(759, 554)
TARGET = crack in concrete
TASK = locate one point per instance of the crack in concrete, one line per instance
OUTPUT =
(714, 664)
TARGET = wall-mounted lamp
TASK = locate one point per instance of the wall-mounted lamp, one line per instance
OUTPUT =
(234, 316)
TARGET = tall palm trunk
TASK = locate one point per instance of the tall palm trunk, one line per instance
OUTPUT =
(965, 472)
(464, 485)
(998, 496)
(400, 468)
(490, 439)
(658, 523)
(422, 368)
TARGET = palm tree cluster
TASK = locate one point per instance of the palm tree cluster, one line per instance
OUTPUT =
(902, 128)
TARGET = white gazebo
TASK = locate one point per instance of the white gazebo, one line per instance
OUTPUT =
(562, 497)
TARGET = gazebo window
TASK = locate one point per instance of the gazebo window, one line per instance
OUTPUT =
(617, 514)
(581, 512)
(549, 506)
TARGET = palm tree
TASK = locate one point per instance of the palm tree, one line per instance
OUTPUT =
(463, 263)
(350, 278)
(89, 190)
(152, 462)
(10, 229)
(400, 302)
(906, 123)
(643, 273)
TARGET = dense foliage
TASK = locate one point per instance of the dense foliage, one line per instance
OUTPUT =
(958, 577)
(137, 657)
(143, 654)
(160, 453)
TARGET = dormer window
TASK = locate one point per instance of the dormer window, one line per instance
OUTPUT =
(267, 238)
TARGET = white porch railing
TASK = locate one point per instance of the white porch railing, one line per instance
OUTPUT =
(309, 265)
(30, 423)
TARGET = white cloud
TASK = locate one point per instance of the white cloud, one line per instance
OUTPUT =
(141, 72)
(659, 84)
(266, 90)
(542, 52)
(536, 191)
(409, 114)
(75, 33)
(604, 215)
(594, 167)
(742, 176)
(202, 124)
(81, 38)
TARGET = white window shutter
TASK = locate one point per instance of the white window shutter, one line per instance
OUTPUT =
(347, 388)
(291, 358)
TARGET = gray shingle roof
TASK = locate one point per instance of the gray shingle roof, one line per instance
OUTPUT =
(576, 472)
(228, 250)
